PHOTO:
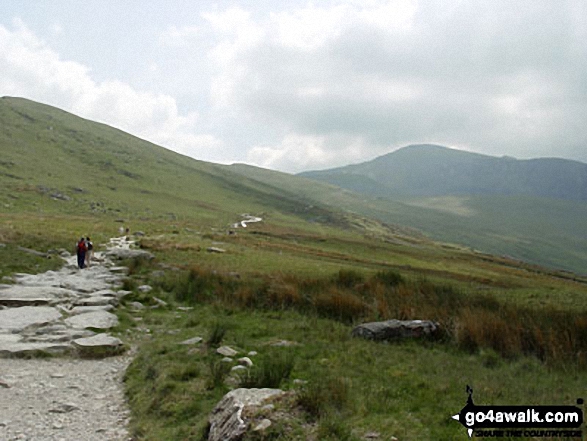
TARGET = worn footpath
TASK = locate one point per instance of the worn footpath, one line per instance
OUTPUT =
(60, 371)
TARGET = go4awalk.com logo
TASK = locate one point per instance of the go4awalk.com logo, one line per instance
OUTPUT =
(521, 421)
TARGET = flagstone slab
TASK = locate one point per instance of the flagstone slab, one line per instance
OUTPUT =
(17, 319)
(96, 319)
(19, 295)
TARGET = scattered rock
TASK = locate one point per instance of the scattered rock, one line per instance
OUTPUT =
(263, 425)
(245, 361)
(283, 343)
(144, 288)
(137, 306)
(185, 308)
(226, 351)
(238, 368)
(127, 253)
(216, 250)
(395, 329)
(192, 341)
(231, 417)
(160, 302)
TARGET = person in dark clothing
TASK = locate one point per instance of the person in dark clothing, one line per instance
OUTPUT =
(81, 249)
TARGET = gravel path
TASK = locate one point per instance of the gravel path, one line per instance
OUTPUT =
(63, 399)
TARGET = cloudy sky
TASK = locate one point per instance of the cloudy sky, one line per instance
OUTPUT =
(295, 85)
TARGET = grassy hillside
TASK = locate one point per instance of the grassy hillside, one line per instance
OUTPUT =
(305, 274)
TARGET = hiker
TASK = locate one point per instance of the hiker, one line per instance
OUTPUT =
(81, 249)
(90, 248)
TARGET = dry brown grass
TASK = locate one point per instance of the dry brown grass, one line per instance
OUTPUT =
(471, 322)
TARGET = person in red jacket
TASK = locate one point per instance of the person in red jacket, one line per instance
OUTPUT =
(81, 249)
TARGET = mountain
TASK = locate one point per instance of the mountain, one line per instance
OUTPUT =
(534, 210)
(57, 167)
(431, 170)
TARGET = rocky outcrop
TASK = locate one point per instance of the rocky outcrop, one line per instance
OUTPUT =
(396, 329)
(236, 412)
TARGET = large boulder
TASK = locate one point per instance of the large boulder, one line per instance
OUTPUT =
(395, 329)
(232, 416)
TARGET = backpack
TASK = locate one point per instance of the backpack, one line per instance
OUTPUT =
(90, 246)
(81, 246)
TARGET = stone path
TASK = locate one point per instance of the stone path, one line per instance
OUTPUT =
(61, 312)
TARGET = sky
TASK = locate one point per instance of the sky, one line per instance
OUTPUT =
(294, 85)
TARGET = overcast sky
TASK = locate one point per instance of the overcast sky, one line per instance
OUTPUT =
(294, 85)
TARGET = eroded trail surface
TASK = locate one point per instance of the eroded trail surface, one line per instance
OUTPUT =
(68, 396)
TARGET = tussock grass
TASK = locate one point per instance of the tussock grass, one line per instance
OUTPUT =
(470, 322)
(271, 370)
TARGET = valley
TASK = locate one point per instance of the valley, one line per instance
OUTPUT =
(320, 260)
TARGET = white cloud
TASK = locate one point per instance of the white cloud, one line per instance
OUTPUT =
(500, 76)
(296, 153)
(31, 69)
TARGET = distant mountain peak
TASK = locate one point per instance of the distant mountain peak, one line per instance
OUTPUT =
(435, 170)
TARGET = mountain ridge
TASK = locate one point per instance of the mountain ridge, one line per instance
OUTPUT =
(434, 170)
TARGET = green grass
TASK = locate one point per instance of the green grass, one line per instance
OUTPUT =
(408, 390)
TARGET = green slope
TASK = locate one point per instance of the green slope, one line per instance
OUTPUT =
(55, 162)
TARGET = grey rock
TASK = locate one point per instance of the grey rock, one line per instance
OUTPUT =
(216, 250)
(137, 306)
(160, 302)
(17, 319)
(395, 329)
(226, 351)
(145, 288)
(99, 345)
(229, 420)
(263, 425)
(26, 349)
(96, 301)
(122, 293)
(192, 341)
(238, 368)
(284, 343)
(126, 253)
(96, 319)
(245, 361)
(85, 309)
(19, 295)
